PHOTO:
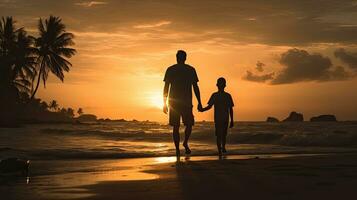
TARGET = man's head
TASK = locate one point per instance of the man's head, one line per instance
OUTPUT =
(181, 56)
(221, 83)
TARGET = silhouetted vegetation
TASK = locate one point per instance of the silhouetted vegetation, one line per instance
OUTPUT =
(38, 111)
(26, 60)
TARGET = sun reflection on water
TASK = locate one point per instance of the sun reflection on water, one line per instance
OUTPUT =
(165, 159)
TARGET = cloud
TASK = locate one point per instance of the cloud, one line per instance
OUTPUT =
(250, 76)
(302, 66)
(88, 4)
(158, 24)
(349, 58)
(301, 22)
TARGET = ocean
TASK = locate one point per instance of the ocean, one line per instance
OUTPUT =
(115, 140)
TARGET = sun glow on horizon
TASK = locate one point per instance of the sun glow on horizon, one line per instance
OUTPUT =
(156, 100)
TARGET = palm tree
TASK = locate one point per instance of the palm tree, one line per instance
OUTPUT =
(17, 57)
(24, 70)
(53, 105)
(52, 44)
(8, 34)
(80, 111)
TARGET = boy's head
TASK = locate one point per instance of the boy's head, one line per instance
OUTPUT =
(181, 56)
(221, 83)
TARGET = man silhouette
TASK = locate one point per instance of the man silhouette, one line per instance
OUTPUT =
(179, 80)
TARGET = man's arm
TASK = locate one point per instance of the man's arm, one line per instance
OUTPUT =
(196, 89)
(166, 92)
(231, 114)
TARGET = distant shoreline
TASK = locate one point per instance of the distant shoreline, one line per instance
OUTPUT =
(75, 122)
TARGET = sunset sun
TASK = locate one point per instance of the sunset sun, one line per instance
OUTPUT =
(156, 100)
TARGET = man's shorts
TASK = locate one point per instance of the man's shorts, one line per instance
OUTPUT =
(176, 113)
(221, 128)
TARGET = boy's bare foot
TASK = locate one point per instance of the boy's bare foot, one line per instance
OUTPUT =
(187, 149)
(224, 150)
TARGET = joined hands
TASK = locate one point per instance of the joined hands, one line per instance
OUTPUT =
(200, 108)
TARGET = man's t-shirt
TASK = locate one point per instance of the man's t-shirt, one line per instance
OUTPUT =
(222, 101)
(181, 78)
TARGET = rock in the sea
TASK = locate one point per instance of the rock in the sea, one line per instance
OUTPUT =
(272, 119)
(324, 118)
(11, 165)
(294, 117)
(87, 118)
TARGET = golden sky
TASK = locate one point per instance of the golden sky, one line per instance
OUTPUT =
(277, 56)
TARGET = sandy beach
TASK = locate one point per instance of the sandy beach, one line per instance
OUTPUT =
(280, 176)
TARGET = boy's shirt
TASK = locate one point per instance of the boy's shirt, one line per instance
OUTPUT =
(222, 101)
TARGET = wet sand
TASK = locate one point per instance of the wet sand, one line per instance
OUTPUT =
(329, 176)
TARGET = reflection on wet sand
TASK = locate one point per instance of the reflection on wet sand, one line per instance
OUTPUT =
(65, 179)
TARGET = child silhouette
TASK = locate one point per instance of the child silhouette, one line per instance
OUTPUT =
(223, 108)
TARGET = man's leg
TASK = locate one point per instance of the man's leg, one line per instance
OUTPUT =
(188, 120)
(188, 131)
(176, 137)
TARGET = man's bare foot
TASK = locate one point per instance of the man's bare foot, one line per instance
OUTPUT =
(187, 149)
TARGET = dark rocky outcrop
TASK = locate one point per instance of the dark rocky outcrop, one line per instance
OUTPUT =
(272, 119)
(87, 118)
(294, 117)
(324, 118)
(11, 165)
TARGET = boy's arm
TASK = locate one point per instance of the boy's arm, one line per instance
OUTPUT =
(231, 114)
(209, 106)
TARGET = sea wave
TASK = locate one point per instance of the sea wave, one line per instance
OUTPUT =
(131, 140)
(296, 134)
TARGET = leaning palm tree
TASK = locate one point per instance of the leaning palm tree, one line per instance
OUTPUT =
(53, 48)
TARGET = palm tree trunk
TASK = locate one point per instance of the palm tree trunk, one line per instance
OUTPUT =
(37, 85)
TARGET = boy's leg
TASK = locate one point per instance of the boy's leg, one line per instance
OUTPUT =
(218, 127)
(219, 143)
(223, 131)
(224, 144)
(224, 136)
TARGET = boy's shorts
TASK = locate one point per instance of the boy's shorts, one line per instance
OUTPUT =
(175, 115)
(221, 128)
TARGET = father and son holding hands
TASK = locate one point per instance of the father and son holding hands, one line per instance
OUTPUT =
(179, 80)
